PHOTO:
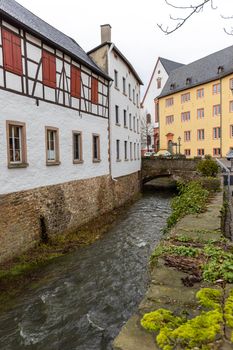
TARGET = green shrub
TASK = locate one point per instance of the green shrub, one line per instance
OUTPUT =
(192, 199)
(208, 167)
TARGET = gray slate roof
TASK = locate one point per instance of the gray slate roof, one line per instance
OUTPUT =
(36, 25)
(200, 71)
(169, 65)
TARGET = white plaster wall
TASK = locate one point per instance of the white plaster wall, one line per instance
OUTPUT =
(153, 92)
(123, 167)
(23, 109)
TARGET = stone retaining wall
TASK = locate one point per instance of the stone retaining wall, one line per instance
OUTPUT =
(57, 209)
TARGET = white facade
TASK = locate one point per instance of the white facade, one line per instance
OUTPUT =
(25, 99)
(153, 90)
(125, 130)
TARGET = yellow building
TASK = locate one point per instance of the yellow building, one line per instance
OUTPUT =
(196, 107)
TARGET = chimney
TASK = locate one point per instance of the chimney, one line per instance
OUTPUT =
(105, 33)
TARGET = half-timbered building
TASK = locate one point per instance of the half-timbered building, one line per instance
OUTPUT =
(54, 123)
(124, 106)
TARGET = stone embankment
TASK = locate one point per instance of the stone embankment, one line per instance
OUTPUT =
(174, 283)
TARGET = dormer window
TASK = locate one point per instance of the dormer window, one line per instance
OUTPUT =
(188, 81)
(172, 86)
(220, 69)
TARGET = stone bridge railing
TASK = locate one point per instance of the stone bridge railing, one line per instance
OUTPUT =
(158, 167)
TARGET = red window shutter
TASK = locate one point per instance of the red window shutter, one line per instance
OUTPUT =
(12, 56)
(94, 90)
(49, 69)
(75, 82)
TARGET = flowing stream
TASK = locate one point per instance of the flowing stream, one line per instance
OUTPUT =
(83, 299)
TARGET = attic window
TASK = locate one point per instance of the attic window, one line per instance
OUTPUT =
(220, 69)
(188, 81)
(172, 86)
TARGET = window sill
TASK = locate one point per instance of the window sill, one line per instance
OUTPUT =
(78, 161)
(126, 160)
(52, 163)
(125, 94)
(118, 160)
(117, 88)
(118, 124)
(96, 160)
(125, 126)
(20, 165)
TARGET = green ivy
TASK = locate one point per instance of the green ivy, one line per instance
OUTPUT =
(192, 199)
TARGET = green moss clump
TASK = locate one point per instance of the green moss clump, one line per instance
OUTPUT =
(175, 332)
(210, 298)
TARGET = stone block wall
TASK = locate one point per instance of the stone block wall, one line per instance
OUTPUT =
(62, 208)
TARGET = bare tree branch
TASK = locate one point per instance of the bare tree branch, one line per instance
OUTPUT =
(193, 9)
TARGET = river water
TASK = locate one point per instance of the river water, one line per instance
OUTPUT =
(83, 299)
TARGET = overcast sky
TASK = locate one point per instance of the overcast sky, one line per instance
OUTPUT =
(134, 29)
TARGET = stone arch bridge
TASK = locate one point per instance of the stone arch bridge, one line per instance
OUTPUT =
(182, 168)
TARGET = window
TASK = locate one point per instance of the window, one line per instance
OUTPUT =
(12, 56)
(217, 152)
(231, 106)
(134, 151)
(201, 134)
(169, 119)
(129, 91)
(169, 101)
(126, 150)
(117, 150)
(156, 111)
(75, 82)
(96, 147)
(137, 100)
(125, 118)
(116, 78)
(159, 83)
(231, 84)
(231, 131)
(138, 151)
(187, 152)
(52, 146)
(138, 126)
(16, 144)
(131, 150)
(133, 96)
(94, 91)
(187, 136)
(77, 147)
(134, 124)
(117, 115)
(185, 116)
(49, 69)
(217, 133)
(216, 88)
(216, 110)
(148, 119)
(185, 97)
(124, 85)
(130, 121)
(200, 152)
(200, 93)
(200, 113)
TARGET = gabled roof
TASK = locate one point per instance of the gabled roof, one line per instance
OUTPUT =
(120, 54)
(168, 66)
(209, 68)
(16, 12)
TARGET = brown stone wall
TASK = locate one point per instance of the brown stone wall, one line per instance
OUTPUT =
(63, 207)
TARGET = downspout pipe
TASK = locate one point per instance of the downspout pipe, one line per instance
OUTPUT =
(110, 104)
